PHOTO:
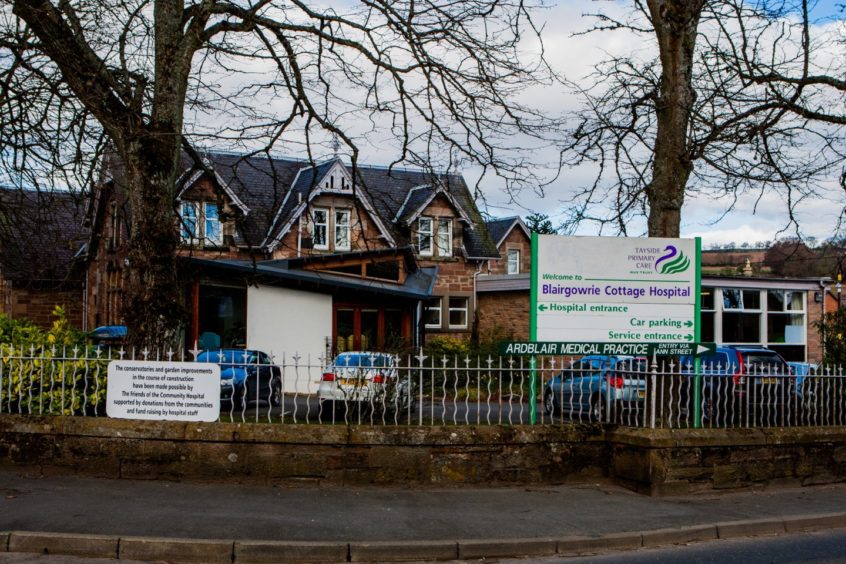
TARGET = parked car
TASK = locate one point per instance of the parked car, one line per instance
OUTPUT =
(820, 394)
(595, 384)
(361, 379)
(246, 376)
(802, 371)
(109, 336)
(742, 382)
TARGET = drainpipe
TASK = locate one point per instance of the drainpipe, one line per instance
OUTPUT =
(824, 290)
(475, 275)
(416, 324)
(85, 301)
(300, 227)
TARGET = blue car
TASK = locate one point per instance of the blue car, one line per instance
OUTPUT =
(802, 371)
(597, 385)
(246, 376)
(742, 383)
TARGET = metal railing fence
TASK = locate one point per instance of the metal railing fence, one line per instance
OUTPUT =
(384, 389)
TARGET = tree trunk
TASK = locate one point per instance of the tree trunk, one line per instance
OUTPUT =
(675, 23)
(154, 307)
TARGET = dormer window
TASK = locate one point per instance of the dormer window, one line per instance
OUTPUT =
(342, 230)
(444, 238)
(320, 228)
(213, 229)
(201, 224)
(189, 222)
(424, 236)
(434, 237)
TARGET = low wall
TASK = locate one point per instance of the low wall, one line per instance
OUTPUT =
(118, 448)
(661, 462)
(655, 462)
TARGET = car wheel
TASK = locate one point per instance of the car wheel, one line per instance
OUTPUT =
(326, 410)
(276, 393)
(597, 409)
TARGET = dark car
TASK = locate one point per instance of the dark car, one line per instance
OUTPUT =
(597, 386)
(742, 384)
(246, 376)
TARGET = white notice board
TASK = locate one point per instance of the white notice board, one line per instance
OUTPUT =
(175, 391)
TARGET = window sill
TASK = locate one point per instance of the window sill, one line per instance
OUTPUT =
(450, 258)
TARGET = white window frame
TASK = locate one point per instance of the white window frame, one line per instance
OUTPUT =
(439, 308)
(318, 226)
(786, 311)
(513, 261)
(444, 239)
(425, 236)
(465, 309)
(342, 229)
(212, 228)
(189, 223)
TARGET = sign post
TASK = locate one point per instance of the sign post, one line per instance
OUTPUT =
(625, 295)
(533, 332)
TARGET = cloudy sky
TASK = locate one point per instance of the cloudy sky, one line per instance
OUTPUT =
(757, 218)
(754, 219)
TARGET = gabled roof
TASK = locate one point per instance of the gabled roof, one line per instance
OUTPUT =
(420, 197)
(259, 183)
(500, 229)
(190, 177)
(40, 235)
(387, 191)
(275, 191)
(306, 187)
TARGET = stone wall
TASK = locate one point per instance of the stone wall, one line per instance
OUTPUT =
(660, 462)
(115, 448)
(654, 462)
(504, 315)
(37, 305)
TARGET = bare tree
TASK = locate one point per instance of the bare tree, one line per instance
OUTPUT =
(156, 77)
(740, 99)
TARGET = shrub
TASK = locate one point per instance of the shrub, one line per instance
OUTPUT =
(53, 372)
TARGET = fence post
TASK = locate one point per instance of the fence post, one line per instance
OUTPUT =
(654, 392)
(420, 358)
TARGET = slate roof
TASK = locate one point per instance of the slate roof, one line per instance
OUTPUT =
(387, 191)
(499, 228)
(273, 187)
(40, 235)
(260, 183)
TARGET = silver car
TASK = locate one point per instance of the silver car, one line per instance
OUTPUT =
(363, 380)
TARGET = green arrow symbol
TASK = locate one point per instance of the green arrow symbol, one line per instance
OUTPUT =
(542, 307)
(688, 323)
(688, 337)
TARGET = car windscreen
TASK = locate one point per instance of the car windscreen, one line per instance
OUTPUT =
(363, 360)
(716, 362)
(227, 357)
(763, 360)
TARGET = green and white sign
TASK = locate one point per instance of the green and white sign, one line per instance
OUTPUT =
(614, 289)
(547, 348)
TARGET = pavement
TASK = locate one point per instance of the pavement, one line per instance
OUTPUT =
(230, 522)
